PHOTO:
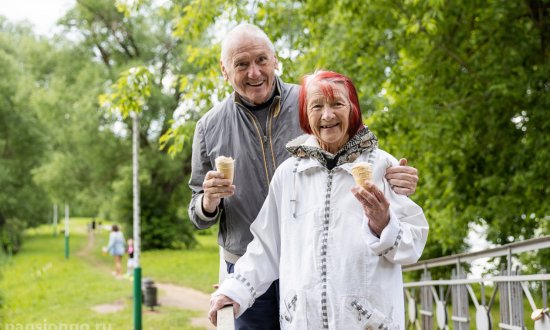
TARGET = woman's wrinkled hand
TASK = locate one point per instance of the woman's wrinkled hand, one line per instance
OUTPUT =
(375, 205)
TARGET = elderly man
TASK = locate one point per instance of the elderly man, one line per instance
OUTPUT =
(252, 125)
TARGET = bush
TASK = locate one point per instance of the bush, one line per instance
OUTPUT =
(11, 235)
(164, 199)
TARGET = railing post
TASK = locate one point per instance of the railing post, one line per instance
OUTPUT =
(226, 318)
(509, 287)
(511, 304)
(544, 295)
(460, 302)
(426, 303)
(543, 323)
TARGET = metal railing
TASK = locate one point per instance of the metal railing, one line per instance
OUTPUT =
(429, 306)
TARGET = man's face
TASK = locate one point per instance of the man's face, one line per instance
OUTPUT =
(250, 69)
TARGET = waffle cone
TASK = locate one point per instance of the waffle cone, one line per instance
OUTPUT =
(226, 166)
(361, 172)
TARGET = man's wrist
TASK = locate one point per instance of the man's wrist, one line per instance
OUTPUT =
(205, 209)
(204, 214)
(210, 214)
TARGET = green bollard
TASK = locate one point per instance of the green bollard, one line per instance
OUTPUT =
(66, 231)
(66, 246)
(137, 298)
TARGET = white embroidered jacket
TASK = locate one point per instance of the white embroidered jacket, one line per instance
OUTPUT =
(313, 235)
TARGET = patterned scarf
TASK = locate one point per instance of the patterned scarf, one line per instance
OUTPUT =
(363, 141)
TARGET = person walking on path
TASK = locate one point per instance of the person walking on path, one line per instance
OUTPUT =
(116, 248)
(252, 125)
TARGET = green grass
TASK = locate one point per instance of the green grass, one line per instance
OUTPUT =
(196, 268)
(41, 288)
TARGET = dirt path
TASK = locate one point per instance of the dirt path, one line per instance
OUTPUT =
(169, 294)
(87, 250)
(186, 298)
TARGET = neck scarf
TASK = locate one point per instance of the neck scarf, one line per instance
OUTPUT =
(363, 141)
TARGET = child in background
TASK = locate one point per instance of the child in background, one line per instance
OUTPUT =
(130, 264)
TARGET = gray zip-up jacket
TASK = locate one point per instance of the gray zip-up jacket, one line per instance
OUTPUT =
(229, 129)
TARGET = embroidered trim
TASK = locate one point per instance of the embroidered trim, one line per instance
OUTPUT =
(361, 311)
(291, 309)
(363, 141)
(324, 246)
(395, 244)
(244, 281)
(294, 198)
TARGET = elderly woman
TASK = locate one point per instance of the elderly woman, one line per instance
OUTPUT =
(335, 246)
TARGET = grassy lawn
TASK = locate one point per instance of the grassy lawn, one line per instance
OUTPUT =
(40, 288)
(196, 268)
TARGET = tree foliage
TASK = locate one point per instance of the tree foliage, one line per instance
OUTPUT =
(130, 92)
(22, 202)
(135, 45)
(461, 89)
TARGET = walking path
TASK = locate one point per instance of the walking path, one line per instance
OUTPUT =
(186, 298)
(169, 294)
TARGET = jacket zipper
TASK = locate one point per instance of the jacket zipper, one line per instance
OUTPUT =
(323, 252)
(269, 123)
(263, 140)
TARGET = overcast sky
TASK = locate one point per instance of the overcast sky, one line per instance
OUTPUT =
(41, 13)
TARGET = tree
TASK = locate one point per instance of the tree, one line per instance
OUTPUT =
(83, 150)
(461, 89)
(121, 39)
(22, 202)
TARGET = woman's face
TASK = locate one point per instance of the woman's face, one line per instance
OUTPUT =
(329, 118)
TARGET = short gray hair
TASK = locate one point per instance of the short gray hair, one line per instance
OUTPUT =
(237, 32)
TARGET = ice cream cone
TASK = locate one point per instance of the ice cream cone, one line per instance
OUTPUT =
(361, 172)
(226, 166)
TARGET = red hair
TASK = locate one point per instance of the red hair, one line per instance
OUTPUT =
(326, 79)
